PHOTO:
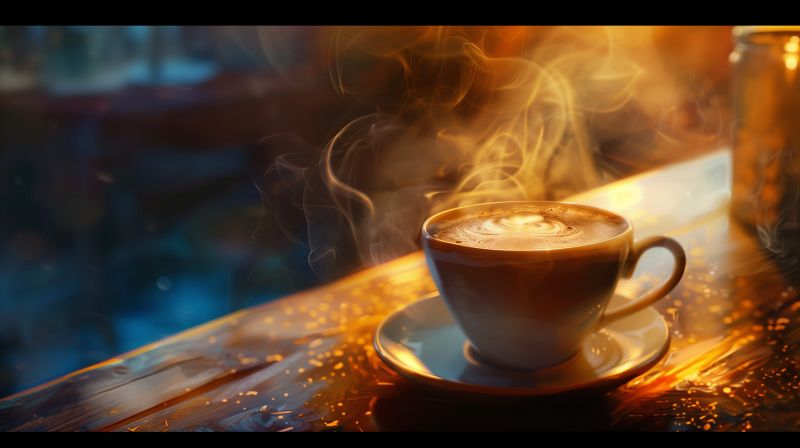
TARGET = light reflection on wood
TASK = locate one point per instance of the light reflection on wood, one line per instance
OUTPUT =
(306, 362)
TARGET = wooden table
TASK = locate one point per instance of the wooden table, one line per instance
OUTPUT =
(307, 363)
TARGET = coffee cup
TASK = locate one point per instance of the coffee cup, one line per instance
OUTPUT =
(528, 300)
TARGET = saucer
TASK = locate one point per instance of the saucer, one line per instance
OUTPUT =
(423, 343)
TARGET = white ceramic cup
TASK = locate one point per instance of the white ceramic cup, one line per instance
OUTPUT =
(531, 309)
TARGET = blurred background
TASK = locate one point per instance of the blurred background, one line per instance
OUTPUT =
(131, 170)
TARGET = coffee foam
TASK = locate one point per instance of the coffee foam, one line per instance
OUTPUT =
(531, 227)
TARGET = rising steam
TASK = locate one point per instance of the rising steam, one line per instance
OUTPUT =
(466, 116)
(777, 208)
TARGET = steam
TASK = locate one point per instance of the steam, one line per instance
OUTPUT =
(777, 206)
(466, 116)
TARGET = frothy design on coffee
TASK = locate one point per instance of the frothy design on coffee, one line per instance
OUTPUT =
(531, 227)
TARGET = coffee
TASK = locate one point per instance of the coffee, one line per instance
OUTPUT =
(531, 227)
(527, 308)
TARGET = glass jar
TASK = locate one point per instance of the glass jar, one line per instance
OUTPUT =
(766, 157)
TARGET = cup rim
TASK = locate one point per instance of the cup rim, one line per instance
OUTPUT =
(427, 236)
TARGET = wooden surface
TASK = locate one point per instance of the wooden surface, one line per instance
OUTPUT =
(307, 363)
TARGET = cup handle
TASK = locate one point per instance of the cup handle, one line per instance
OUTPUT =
(648, 299)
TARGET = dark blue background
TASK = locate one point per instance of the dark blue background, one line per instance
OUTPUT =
(129, 196)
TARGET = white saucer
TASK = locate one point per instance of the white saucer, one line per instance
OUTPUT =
(423, 343)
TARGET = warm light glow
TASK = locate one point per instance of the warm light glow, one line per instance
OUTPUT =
(793, 45)
(410, 360)
(790, 60)
(734, 57)
(626, 196)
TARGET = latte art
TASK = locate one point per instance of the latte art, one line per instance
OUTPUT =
(530, 228)
(530, 223)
